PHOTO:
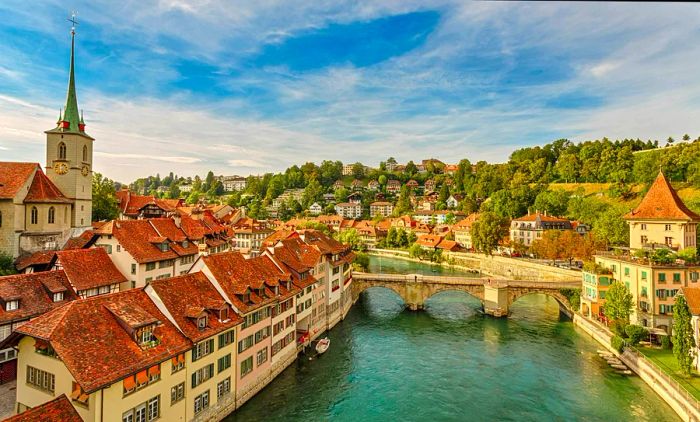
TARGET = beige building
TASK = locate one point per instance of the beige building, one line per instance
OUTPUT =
(529, 228)
(382, 208)
(462, 231)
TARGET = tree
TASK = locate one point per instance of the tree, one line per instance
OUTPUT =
(403, 205)
(358, 171)
(618, 303)
(549, 246)
(487, 232)
(391, 237)
(382, 180)
(351, 238)
(683, 340)
(361, 262)
(670, 141)
(312, 193)
(402, 239)
(105, 205)
(686, 137)
(553, 202)
(7, 266)
(411, 168)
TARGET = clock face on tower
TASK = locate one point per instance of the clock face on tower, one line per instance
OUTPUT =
(60, 168)
(85, 170)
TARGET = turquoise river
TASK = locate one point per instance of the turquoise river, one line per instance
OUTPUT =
(450, 363)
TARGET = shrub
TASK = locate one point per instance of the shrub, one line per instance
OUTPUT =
(665, 342)
(618, 327)
(635, 333)
(617, 343)
(574, 296)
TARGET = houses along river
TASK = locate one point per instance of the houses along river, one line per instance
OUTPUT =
(451, 363)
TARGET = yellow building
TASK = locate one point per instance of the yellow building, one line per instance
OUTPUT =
(659, 226)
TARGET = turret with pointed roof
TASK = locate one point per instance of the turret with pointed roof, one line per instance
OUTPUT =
(662, 219)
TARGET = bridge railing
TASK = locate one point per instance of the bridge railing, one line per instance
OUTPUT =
(401, 278)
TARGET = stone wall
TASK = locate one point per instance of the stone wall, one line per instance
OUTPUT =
(513, 268)
(686, 406)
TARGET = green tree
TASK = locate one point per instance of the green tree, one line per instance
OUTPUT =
(105, 205)
(361, 262)
(568, 167)
(415, 251)
(358, 171)
(553, 202)
(670, 141)
(487, 232)
(411, 168)
(341, 195)
(7, 265)
(391, 237)
(686, 137)
(618, 303)
(351, 238)
(312, 193)
(403, 205)
(683, 340)
(382, 180)
(402, 239)
(208, 181)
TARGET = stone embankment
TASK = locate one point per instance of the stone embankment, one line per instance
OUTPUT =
(680, 400)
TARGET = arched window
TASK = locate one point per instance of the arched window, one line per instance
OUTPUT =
(52, 215)
(35, 215)
(85, 153)
(61, 151)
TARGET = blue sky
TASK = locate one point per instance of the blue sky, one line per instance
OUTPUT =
(248, 87)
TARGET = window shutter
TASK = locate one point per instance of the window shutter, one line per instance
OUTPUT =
(194, 380)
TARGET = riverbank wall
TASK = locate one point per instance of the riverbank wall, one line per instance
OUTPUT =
(495, 266)
(682, 402)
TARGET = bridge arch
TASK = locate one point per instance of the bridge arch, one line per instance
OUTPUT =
(562, 301)
(367, 286)
(477, 292)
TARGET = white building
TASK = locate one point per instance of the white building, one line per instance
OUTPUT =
(348, 210)
(315, 209)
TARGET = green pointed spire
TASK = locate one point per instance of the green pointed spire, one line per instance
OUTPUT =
(70, 113)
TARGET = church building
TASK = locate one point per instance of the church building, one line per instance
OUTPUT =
(42, 210)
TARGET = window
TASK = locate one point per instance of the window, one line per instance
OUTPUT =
(644, 275)
(85, 153)
(34, 215)
(246, 366)
(262, 334)
(627, 271)
(644, 226)
(106, 247)
(676, 277)
(644, 240)
(177, 393)
(262, 356)
(12, 305)
(667, 227)
(52, 215)
(119, 248)
(202, 323)
(201, 402)
(150, 266)
(144, 412)
(662, 278)
(223, 388)
(133, 268)
(202, 374)
(226, 338)
(40, 379)
(245, 344)
(61, 151)
(166, 263)
(57, 297)
(202, 349)
(223, 363)
(178, 363)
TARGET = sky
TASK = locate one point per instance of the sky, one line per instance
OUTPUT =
(250, 87)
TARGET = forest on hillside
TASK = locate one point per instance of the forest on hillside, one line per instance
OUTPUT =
(507, 189)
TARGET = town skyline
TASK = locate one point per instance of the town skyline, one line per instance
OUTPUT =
(154, 83)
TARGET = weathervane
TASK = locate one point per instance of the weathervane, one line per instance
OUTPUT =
(73, 21)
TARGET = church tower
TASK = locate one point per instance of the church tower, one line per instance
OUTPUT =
(69, 152)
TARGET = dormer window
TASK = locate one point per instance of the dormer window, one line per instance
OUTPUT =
(164, 247)
(12, 305)
(185, 243)
(223, 314)
(57, 297)
(202, 322)
(246, 297)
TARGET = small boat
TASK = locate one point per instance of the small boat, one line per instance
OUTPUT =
(323, 345)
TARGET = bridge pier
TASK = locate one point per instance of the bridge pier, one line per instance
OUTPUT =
(415, 306)
(495, 300)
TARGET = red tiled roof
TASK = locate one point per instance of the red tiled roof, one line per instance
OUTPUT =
(324, 243)
(662, 203)
(40, 258)
(279, 235)
(135, 235)
(43, 190)
(80, 242)
(236, 276)
(429, 240)
(89, 268)
(541, 217)
(59, 409)
(448, 245)
(34, 292)
(130, 204)
(13, 176)
(94, 343)
(466, 223)
(188, 295)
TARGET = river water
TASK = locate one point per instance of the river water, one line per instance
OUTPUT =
(450, 363)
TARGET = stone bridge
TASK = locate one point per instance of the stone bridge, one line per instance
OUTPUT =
(496, 296)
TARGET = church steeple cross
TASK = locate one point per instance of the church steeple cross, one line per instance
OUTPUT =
(74, 21)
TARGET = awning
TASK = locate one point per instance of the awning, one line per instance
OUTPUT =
(174, 361)
(77, 392)
(142, 377)
(154, 370)
(129, 383)
(181, 358)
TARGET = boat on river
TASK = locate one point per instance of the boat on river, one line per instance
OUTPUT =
(323, 345)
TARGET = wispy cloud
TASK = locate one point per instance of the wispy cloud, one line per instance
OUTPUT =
(171, 85)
